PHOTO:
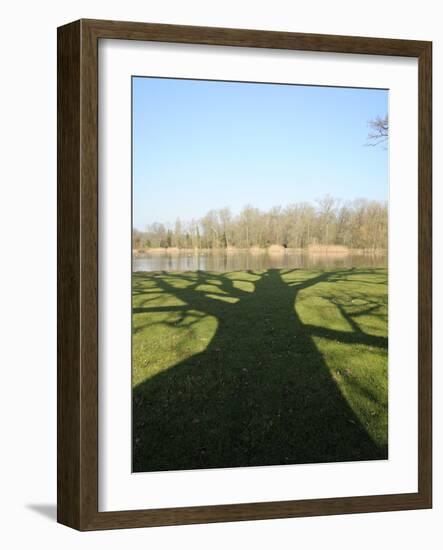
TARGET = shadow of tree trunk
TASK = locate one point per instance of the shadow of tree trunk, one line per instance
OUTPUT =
(259, 394)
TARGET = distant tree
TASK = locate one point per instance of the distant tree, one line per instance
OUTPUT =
(169, 238)
(211, 229)
(136, 238)
(357, 224)
(225, 222)
(379, 130)
(178, 234)
(326, 217)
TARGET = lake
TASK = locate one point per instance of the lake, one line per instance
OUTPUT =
(240, 260)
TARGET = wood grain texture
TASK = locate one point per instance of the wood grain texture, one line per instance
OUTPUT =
(425, 273)
(78, 274)
(68, 275)
(89, 275)
(254, 38)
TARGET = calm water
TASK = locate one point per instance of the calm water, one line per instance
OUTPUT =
(242, 259)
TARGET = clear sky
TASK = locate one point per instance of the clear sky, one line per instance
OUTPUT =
(199, 145)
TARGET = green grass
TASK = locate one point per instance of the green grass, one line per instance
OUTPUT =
(259, 368)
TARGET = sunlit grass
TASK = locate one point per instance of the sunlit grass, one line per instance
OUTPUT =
(250, 368)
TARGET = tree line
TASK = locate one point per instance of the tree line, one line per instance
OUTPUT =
(360, 224)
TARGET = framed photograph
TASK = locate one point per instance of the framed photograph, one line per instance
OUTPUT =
(244, 274)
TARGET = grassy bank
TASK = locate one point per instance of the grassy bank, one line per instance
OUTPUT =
(255, 368)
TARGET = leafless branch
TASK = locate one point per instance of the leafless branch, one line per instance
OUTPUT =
(379, 131)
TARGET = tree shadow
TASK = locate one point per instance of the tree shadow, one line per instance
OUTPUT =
(259, 394)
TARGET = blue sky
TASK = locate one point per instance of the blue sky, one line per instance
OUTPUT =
(199, 145)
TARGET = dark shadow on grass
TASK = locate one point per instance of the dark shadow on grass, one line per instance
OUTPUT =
(259, 394)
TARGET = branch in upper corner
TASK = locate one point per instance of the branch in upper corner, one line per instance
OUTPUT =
(379, 131)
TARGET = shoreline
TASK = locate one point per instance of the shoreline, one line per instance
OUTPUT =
(273, 250)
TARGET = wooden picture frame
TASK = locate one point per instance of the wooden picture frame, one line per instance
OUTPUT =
(78, 274)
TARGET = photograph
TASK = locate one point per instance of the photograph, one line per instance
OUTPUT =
(259, 274)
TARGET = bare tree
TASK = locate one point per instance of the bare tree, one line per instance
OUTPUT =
(225, 220)
(357, 224)
(379, 130)
(326, 217)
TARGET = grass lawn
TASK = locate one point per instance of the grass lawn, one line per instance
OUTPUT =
(259, 368)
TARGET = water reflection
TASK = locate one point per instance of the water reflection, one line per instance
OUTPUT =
(243, 259)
